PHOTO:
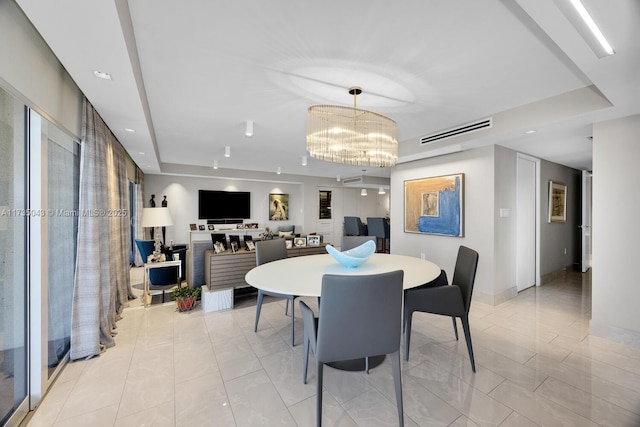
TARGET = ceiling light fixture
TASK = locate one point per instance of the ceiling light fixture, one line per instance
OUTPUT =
(249, 131)
(278, 171)
(381, 190)
(227, 151)
(215, 164)
(102, 75)
(363, 192)
(588, 20)
(304, 160)
(129, 130)
(351, 135)
(529, 132)
(338, 178)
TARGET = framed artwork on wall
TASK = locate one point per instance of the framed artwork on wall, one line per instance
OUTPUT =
(557, 202)
(435, 205)
(278, 207)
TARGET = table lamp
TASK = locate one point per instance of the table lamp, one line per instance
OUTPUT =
(156, 217)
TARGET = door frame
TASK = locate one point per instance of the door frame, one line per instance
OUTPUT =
(537, 164)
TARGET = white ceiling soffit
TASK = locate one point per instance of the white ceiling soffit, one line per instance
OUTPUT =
(188, 75)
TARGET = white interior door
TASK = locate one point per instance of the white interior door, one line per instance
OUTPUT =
(586, 220)
(526, 223)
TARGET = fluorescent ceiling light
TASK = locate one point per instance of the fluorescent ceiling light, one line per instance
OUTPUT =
(102, 75)
(586, 17)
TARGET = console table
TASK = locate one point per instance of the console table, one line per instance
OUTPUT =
(226, 271)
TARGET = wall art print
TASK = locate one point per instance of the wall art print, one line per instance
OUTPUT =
(278, 207)
(435, 205)
(557, 202)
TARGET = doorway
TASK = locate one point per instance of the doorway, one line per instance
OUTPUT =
(527, 202)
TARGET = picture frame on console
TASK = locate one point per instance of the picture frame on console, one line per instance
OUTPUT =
(288, 243)
(201, 227)
(313, 240)
(193, 227)
(299, 242)
(210, 227)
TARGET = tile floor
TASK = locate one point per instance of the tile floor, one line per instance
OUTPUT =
(537, 365)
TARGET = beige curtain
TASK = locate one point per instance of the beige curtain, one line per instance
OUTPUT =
(102, 276)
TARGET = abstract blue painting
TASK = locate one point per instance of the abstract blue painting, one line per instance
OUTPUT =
(435, 205)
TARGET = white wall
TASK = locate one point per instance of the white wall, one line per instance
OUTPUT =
(31, 72)
(616, 205)
(478, 167)
(182, 197)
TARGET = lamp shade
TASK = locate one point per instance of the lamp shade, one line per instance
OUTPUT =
(156, 217)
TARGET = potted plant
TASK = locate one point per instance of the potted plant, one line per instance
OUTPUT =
(185, 297)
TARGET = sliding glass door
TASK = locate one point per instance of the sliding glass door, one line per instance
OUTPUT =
(13, 278)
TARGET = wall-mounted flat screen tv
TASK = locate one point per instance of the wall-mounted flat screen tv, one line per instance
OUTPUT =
(224, 204)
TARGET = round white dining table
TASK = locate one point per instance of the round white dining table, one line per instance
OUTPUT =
(303, 275)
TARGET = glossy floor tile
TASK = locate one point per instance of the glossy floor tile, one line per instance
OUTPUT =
(536, 365)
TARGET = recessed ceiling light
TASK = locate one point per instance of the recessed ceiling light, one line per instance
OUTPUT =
(129, 130)
(304, 160)
(338, 178)
(141, 152)
(363, 192)
(528, 132)
(249, 131)
(227, 151)
(278, 171)
(215, 164)
(381, 191)
(102, 75)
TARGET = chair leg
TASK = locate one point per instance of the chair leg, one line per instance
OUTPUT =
(305, 353)
(397, 379)
(286, 308)
(319, 367)
(366, 364)
(455, 326)
(293, 324)
(258, 308)
(407, 337)
(467, 337)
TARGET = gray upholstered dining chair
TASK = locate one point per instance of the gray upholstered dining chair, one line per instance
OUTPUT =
(359, 317)
(453, 300)
(379, 227)
(350, 242)
(267, 251)
(353, 226)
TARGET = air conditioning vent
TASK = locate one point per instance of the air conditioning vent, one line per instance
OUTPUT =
(450, 133)
(354, 180)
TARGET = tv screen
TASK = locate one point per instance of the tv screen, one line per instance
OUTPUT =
(224, 204)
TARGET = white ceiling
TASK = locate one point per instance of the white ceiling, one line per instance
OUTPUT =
(188, 74)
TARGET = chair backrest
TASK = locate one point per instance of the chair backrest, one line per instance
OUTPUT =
(360, 316)
(145, 247)
(287, 229)
(350, 242)
(464, 274)
(270, 250)
(353, 226)
(378, 227)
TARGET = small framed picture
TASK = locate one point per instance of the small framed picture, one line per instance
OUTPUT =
(201, 227)
(299, 241)
(288, 243)
(234, 246)
(210, 226)
(218, 247)
(239, 226)
(313, 240)
(193, 227)
(250, 245)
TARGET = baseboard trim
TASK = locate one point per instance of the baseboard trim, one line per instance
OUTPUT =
(624, 336)
(550, 277)
(496, 299)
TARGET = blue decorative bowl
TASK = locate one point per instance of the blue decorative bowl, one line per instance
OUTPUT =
(353, 257)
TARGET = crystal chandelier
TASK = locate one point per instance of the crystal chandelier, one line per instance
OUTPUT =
(351, 135)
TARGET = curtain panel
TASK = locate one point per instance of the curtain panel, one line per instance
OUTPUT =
(101, 285)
